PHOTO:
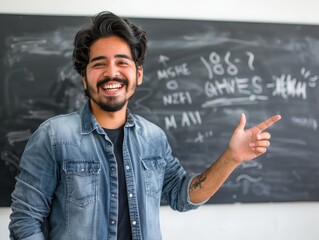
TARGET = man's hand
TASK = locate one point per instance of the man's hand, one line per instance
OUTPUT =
(244, 145)
(253, 142)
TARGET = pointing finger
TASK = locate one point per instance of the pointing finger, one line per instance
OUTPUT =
(270, 121)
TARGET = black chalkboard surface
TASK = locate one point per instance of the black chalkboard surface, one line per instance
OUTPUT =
(198, 77)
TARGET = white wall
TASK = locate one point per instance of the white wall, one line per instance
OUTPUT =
(284, 221)
(299, 11)
(291, 221)
(294, 221)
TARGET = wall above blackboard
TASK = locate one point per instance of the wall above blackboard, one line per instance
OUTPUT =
(198, 77)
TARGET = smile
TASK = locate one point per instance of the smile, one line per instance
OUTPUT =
(114, 86)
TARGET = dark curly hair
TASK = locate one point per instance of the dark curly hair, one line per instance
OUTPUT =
(103, 25)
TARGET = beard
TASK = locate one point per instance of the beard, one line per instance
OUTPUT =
(112, 104)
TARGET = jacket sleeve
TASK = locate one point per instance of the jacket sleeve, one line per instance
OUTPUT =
(35, 185)
(176, 183)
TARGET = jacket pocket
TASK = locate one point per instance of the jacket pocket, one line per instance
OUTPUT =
(154, 171)
(82, 181)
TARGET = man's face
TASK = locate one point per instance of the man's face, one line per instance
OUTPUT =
(111, 74)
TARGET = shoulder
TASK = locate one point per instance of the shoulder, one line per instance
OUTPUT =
(62, 118)
(63, 123)
(147, 128)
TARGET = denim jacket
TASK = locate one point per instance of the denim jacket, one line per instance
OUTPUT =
(68, 177)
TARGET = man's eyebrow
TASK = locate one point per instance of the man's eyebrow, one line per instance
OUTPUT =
(97, 58)
(123, 56)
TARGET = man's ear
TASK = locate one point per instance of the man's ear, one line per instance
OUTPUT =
(139, 75)
(84, 83)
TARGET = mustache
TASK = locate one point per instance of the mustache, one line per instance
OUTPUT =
(108, 79)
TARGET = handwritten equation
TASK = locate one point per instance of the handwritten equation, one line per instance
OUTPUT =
(229, 81)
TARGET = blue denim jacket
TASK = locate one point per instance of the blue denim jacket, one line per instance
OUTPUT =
(69, 176)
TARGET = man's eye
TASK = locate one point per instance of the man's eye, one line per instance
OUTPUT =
(98, 64)
(123, 63)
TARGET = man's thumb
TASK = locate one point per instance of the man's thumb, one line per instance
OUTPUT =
(242, 122)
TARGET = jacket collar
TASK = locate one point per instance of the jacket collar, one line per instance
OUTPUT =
(89, 122)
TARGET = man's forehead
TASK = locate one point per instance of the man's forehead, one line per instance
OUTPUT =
(109, 47)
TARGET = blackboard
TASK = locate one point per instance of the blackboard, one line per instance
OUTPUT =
(198, 77)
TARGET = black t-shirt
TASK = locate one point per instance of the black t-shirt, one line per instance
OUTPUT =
(123, 223)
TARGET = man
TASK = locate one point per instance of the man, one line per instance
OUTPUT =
(102, 172)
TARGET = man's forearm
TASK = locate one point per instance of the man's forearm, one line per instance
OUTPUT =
(206, 184)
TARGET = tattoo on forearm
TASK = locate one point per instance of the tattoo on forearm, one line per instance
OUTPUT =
(198, 182)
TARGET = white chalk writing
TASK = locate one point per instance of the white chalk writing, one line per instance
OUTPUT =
(187, 119)
(173, 71)
(287, 86)
(177, 98)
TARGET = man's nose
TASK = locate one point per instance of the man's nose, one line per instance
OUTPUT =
(111, 71)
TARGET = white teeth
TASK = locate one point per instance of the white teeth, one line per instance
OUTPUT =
(112, 86)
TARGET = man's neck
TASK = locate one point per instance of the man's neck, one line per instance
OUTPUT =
(109, 120)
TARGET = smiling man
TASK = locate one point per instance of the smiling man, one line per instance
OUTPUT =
(102, 172)
(110, 80)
